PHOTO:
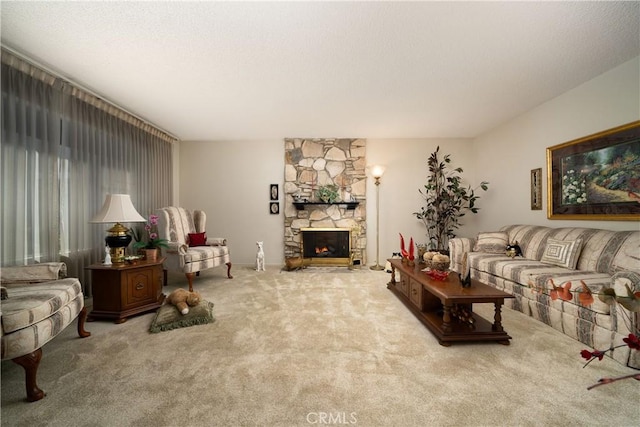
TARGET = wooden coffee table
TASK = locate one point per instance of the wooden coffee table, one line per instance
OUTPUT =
(446, 308)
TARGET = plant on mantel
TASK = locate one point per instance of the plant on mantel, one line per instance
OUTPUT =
(630, 301)
(447, 201)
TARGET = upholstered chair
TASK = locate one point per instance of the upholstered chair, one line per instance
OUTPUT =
(190, 250)
(38, 302)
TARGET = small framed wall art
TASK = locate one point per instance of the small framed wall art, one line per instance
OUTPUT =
(274, 208)
(536, 189)
(273, 191)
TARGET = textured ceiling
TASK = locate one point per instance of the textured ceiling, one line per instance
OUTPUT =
(241, 70)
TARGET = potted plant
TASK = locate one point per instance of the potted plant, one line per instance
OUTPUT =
(153, 243)
(447, 201)
(328, 193)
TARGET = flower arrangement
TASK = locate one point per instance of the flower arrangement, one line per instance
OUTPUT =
(631, 302)
(153, 241)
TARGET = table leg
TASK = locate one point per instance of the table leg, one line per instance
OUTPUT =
(497, 318)
(393, 275)
(446, 318)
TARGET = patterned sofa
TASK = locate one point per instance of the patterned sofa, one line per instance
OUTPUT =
(190, 250)
(37, 304)
(601, 258)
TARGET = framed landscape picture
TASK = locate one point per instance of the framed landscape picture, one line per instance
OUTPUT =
(596, 177)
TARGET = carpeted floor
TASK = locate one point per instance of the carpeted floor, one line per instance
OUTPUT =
(322, 346)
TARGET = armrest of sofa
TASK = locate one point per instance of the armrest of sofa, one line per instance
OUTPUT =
(626, 285)
(216, 241)
(458, 248)
(33, 273)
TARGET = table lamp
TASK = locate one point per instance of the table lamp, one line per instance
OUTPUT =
(117, 208)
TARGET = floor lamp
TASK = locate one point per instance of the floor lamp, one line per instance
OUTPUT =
(377, 172)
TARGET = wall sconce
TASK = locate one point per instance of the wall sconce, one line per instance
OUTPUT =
(117, 208)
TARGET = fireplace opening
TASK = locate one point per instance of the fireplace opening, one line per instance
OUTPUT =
(326, 246)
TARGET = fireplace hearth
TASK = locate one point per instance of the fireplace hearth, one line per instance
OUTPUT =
(326, 246)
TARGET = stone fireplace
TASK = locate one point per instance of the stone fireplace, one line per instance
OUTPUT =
(309, 165)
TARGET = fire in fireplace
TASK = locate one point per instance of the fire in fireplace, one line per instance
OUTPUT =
(326, 246)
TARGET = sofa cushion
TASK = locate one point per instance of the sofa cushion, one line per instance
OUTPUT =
(535, 274)
(563, 253)
(30, 304)
(494, 242)
(200, 253)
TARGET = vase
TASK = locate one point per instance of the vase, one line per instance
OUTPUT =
(152, 254)
(421, 251)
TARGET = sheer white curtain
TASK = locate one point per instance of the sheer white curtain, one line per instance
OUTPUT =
(107, 155)
(62, 151)
(30, 147)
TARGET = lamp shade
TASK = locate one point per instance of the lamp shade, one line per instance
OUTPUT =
(117, 208)
(377, 171)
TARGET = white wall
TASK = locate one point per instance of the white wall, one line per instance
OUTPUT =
(406, 172)
(230, 181)
(506, 155)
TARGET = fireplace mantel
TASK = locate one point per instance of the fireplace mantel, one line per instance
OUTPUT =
(350, 205)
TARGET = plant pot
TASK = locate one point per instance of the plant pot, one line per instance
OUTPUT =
(152, 254)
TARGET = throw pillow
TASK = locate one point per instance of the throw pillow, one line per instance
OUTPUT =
(197, 239)
(563, 253)
(168, 317)
(493, 243)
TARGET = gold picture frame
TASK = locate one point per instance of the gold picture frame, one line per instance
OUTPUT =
(596, 177)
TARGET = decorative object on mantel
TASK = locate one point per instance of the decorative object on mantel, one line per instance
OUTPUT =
(117, 208)
(328, 193)
(596, 177)
(536, 189)
(377, 172)
(446, 201)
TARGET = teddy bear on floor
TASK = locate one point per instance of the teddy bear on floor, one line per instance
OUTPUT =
(183, 299)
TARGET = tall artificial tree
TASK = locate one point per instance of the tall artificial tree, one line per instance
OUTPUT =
(447, 200)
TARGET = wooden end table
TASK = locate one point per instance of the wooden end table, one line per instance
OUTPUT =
(446, 308)
(124, 290)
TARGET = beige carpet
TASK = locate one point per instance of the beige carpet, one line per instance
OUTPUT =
(323, 346)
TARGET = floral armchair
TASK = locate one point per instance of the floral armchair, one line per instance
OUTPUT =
(189, 249)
